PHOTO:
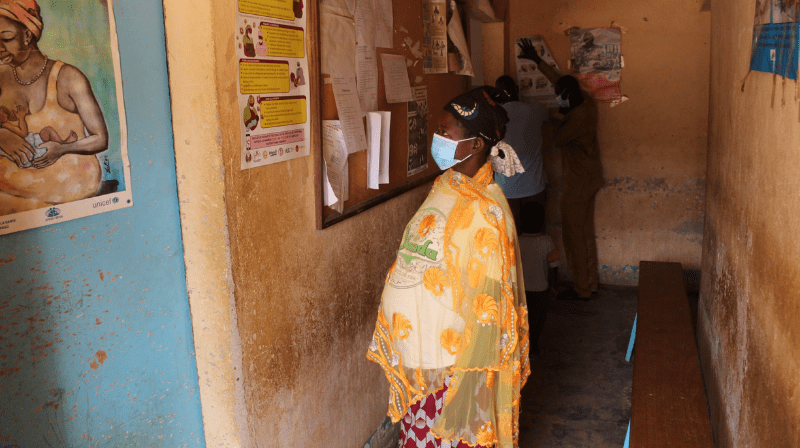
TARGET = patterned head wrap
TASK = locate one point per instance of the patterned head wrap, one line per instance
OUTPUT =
(26, 12)
(480, 114)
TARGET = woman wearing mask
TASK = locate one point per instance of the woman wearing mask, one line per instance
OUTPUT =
(452, 330)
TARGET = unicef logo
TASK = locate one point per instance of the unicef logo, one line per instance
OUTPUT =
(53, 212)
(115, 200)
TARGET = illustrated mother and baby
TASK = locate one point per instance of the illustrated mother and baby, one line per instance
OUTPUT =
(51, 125)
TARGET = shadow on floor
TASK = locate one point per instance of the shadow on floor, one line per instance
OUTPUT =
(579, 391)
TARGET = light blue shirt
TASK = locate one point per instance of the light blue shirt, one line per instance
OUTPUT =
(524, 134)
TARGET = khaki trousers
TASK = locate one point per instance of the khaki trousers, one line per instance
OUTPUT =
(577, 215)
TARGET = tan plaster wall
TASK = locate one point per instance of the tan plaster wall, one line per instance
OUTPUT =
(306, 299)
(492, 44)
(200, 172)
(749, 313)
(653, 146)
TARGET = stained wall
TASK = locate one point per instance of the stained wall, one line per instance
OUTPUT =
(304, 300)
(654, 145)
(749, 313)
(96, 345)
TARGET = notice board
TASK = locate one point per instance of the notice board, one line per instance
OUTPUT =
(409, 145)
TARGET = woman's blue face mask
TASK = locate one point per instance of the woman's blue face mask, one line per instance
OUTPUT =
(443, 151)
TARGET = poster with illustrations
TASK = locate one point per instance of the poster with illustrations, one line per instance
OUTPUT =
(63, 145)
(775, 43)
(273, 86)
(418, 131)
(434, 42)
(533, 85)
(784, 11)
(596, 51)
(597, 61)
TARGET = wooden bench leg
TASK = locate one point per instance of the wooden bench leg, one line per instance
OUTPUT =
(633, 338)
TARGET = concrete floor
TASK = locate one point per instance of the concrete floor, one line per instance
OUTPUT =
(579, 391)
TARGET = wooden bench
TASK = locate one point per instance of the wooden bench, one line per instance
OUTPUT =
(668, 401)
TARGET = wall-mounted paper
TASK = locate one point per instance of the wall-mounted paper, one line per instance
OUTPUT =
(374, 149)
(597, 61)
(329, 196)
(347, 103)
(434, 13)
(365, 23)
(456, 33)
(334, 151)
(337, 44)
(395, 78)
(533, 85)
(418, 131)
(346, 8)
(367, 78)
(378, 124)
(386, 123)
(384, 21)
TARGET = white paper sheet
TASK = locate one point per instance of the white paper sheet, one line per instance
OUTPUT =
(334, 152)
(329, 196)
(395, 78)
(374, 150)
(365, 23)
(346, 8)
(384, 22)
(337, 44)
(378, 125)
(349, 108)
(456, 34)
(367, 78)
(386, 124)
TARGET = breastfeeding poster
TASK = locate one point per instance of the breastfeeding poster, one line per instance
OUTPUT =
(273, 84)
(63, 152)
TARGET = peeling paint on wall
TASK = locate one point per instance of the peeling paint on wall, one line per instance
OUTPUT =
(94, 318)
(616, 275)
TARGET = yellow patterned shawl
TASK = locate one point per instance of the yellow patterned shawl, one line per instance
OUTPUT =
(454, 306)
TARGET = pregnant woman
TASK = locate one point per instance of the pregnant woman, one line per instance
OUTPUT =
(57, 96)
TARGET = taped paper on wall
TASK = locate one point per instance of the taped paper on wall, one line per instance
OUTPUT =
(418, 131)
(462, 60)
(395, 78)
(434, 42)
(775, 38)
(273, 90)
(533, 85)
(334, 151)
(367, 78)
(378, 124)
(597, 60)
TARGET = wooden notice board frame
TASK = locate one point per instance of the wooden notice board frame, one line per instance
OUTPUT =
(441, 88)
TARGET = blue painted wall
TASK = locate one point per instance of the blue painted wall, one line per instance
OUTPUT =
(95, 332)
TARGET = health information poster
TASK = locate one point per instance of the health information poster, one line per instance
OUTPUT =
(273, 88)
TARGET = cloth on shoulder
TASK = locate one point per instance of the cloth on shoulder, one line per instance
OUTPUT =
(524, 134)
